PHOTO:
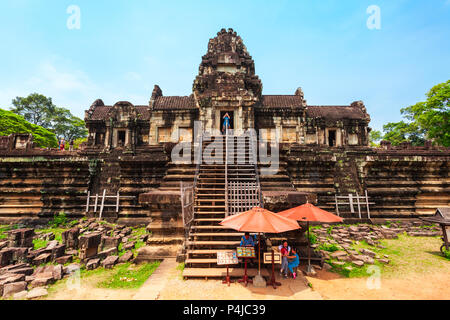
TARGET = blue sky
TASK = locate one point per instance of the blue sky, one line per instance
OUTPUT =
(124, 48)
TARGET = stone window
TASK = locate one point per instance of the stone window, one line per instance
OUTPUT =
(289, 134)
(164, 134)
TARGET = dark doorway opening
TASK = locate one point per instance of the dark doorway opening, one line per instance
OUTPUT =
(222, 120)
(332, 138)
(121, 138)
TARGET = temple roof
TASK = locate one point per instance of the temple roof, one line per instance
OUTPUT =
(335, 112)
(174, 103)
(104, 112)
(281, 101)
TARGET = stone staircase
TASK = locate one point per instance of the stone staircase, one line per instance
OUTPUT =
(206, 236)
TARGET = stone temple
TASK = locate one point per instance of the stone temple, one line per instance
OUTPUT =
(226, 83)
(323, 153)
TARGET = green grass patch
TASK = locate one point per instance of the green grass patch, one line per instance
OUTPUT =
(128, 276)
(57, 231)
(39, 244)
(330, 247)
(447, 254)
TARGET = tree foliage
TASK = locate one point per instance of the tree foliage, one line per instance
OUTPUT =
(13, 123)
(40, 110)
(424, 120)
(375, 137)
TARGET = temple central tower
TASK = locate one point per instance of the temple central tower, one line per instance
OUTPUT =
(227, 83)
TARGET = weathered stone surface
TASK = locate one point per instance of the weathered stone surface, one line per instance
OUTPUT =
(70, 237)
(92, 264)
(42, 259)
(89, 245)
(129, 245)
(15, 287)
(109, 242)
(337, 254)
(358, 263)
(37, 293)
(110, 261)
(20, 295)
(71, 268)
(64, 259)
(6, 256)
(112, 251)
(127, 256)
(21, 237)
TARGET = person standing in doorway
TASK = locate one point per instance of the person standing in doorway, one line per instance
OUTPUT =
(226, 123)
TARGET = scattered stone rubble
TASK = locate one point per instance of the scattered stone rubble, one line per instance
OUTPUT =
(344, 236)
(25, 272)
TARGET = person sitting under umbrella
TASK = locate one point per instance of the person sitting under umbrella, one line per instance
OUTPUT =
(247, 241)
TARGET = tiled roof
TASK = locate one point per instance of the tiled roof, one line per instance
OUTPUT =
(103, 112)
(281, 101)
(335, 112)
(174, 102)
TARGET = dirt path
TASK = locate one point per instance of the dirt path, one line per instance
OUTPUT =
(426, 286)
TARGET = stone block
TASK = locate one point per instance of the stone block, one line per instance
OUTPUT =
(6, 256)
(109, 242)
(127, 256)
(64, 259)
(92, 264)
(109, 262)
(42, 259)
(15, 287)
(37, 293)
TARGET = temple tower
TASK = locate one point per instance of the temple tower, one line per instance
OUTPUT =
(227, 83)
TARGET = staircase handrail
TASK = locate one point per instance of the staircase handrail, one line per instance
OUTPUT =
(255, 163)
(226, 172)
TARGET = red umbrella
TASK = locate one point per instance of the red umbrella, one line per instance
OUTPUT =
(260, 220)
(308, 212)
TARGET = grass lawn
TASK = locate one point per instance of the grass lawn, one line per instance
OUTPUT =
(125, 276)
(406, 254)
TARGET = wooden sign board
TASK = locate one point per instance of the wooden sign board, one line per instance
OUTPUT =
(447, 231)
(276, 257)
(226, 258)
(245, 252)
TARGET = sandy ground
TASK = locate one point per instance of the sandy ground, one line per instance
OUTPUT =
(326, 285)
(426, 286)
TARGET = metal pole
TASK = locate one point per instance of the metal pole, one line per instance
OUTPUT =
(309, 248)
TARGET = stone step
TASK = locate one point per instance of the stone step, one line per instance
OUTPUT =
(234, 272)
(217, 234)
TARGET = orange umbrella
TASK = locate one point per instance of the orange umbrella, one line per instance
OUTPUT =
(308, 212)
(260, 220)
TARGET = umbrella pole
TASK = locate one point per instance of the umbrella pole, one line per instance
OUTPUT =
(309, 248)
(259, 253)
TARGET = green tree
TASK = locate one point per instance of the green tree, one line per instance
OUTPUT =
(433, 115)
(375, 137)
(40, 110)
(397, 132)
(13, 123)
(424, 120)
(36, 108)
(68, 126)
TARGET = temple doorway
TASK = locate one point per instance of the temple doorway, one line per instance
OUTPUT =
(332, 138)
(222, 120)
